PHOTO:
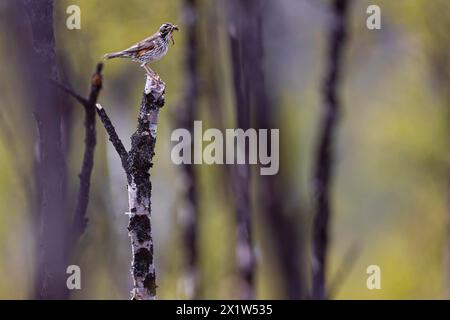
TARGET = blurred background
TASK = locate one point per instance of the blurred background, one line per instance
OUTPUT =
(389, 192)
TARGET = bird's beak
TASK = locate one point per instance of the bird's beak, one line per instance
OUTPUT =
(175, 28)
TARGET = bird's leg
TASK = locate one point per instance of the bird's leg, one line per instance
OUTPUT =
(150, 72)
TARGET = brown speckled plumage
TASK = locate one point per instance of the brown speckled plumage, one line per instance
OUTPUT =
(150, 49)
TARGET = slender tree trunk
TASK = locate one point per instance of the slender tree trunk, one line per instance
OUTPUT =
(137, 164)
(246, 40)
(185, 119)
(284, 230)
(241, 172)
(324, 155)
(140, 160)
(50, 279)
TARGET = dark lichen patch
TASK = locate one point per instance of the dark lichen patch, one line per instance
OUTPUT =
(141, 262)
(140, 225)
(149, 283)
(149, 102)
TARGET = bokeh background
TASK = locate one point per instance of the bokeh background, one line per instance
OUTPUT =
(390, 193)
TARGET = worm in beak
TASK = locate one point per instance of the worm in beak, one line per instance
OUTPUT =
(171, 33)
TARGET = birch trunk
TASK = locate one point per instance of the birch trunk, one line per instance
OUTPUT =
(140, 160)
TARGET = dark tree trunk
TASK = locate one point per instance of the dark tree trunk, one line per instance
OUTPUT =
(239, 44)
(185, 119)
(252, 97)
(324, 155)
(50, 278)
(285, 231)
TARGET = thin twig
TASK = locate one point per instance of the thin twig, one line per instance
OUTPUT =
(96, 83)
(70, 91)
(113, 137)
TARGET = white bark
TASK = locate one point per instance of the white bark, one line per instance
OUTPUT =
(139, 191)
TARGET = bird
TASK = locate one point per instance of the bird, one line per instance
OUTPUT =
(150, 49)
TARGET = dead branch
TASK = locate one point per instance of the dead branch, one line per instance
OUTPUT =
(79, 219)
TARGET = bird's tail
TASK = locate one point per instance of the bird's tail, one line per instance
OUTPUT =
(113, 55)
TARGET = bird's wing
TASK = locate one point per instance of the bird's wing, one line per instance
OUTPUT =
(142, 46)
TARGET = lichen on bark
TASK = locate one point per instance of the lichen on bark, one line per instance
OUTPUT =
(140, 161)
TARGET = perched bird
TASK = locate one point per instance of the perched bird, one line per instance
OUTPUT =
(150, 49)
